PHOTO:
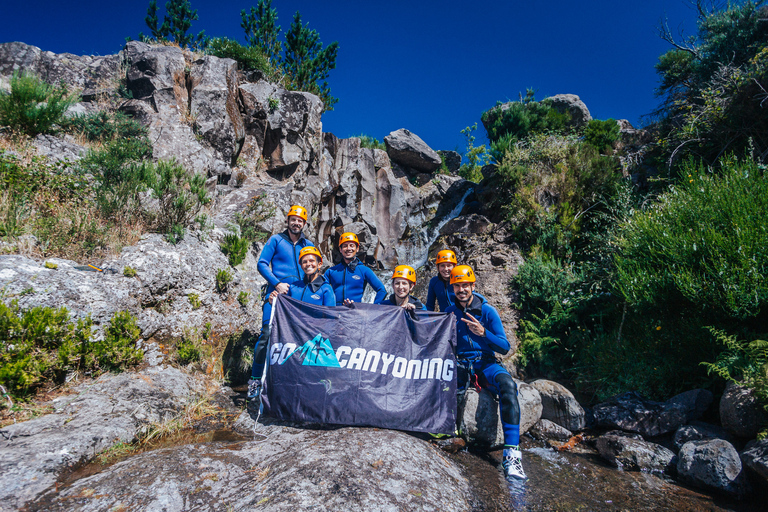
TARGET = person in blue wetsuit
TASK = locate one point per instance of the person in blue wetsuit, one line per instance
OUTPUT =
(349, 277)
(440, 289)
(313, 288)
(279, 265)
(479, 337)
(403, 281)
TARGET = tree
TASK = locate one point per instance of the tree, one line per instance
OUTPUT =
(262, 30)
(307, 62)
(177, 21)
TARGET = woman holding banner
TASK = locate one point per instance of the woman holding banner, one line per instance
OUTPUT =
(313, 288)
(403, 281)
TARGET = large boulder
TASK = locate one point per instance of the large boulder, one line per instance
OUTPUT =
(559, 405)
(712, 464)
(696, 402)
(283, 468)
(452, 160)
(157, 74)
(573, 106)
(76, 71)
(741, 413)
(755, 457)
(479, 420)
(633, 413)
(633, 454)
(282, 127)
(35, 453)
(697, 431)
(545, 430)
(214, 106)
(407, 149)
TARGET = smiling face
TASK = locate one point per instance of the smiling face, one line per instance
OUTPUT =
(463, 292)
(444, 269)
(348, 251)
(309, 264)
(295, 224)
(402, 287)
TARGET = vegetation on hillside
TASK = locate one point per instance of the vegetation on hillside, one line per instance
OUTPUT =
(632, 285)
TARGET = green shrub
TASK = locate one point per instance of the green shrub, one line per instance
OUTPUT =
(243, 298)
(194, 300)
(181, 197)
(518, 120)
(41, 345)
(703, 247)
(129, 271)
(51, 266)
(602, 134)
(223, 278)
(366, 141)
(251, 218)
(32, 106)
(476, 157)
(248, 57)
(235, 248)
(104, 126)
(187, 352)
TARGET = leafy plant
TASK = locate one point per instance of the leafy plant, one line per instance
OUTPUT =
(235, 248)
(177, 21)
(366, 141)
(476, 156)
(248, 57)
(508, 123)
(223, 278)
(180, 195)
(32, 106)
(129, 271)
(104, 126)
(118, 348)
(51, 265)
(250, 219)
(601, 134)
(194, 300)
(273, 103)
(243, 298)
(187, 351)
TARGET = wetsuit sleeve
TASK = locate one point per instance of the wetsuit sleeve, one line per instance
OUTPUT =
(376, 284)
(265, 259)
(494, 332)
(431, 297)
(329, 297)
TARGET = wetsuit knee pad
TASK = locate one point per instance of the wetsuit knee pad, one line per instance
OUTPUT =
(510, 407)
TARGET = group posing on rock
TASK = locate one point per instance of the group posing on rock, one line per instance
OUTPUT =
(291, 265)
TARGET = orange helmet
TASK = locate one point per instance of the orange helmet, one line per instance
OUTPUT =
(311, 250)
(349, 237)
(462, 274)
(405, 272)
(298, 211)
(446, 256)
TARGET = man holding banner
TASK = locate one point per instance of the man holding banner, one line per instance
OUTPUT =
(480, 336)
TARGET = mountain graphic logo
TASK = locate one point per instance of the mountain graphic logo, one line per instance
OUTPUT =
(316, 352)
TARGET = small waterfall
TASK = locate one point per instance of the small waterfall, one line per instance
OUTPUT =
(433, 233)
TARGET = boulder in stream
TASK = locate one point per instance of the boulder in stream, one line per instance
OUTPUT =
(559, 405)
(740, 412)
(633, 413)
(712, 464)
(755, 457)
(634, 454)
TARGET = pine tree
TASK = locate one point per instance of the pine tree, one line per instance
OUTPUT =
(307, 62)
(262, 30)
(178, 19)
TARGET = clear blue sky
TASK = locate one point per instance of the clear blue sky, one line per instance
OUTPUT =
(429, 66)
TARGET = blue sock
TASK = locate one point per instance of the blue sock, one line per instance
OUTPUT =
(511, 435)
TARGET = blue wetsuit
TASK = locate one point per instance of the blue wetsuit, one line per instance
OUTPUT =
(348, 282)
(441, 292)
(278, 263)
(392, 301)
(318, 292)
(476, 355)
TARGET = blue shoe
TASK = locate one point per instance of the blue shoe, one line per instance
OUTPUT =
(254, 390)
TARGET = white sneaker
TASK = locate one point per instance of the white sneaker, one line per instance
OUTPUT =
(513, 463)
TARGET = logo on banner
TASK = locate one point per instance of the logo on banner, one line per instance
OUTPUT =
(316, 352)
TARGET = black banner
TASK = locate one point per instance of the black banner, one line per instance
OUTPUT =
(367, 365)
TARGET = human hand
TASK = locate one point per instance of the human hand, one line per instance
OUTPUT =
(409, 307)
(282, 288)
(474, 325)
(272, 297)
(348, 302)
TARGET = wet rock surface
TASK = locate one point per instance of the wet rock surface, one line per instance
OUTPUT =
(634, 454)
(33, 454)
(755, 457)
(633, 413)
(712, 464)
(544, 430)
(697, 431)
(286, 469)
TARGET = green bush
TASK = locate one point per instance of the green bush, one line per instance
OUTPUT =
(129, 271)
(366, 141)
(42, 345)
(602, 134)
(181, 196)
(518, 120)
(223, 278)
(104, 126)
(187, 351)
(476, 157)
(248, 57)
(703, 247)
(32, 106)
(251, 218)
(235, 248)
(194, 300)
(243, 298)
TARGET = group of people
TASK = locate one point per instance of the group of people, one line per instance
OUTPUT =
(291, 264)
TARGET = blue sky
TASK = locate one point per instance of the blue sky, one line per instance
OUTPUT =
(431, 66)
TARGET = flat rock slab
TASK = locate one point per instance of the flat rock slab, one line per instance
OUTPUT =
(291, 469)
(33, 454)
